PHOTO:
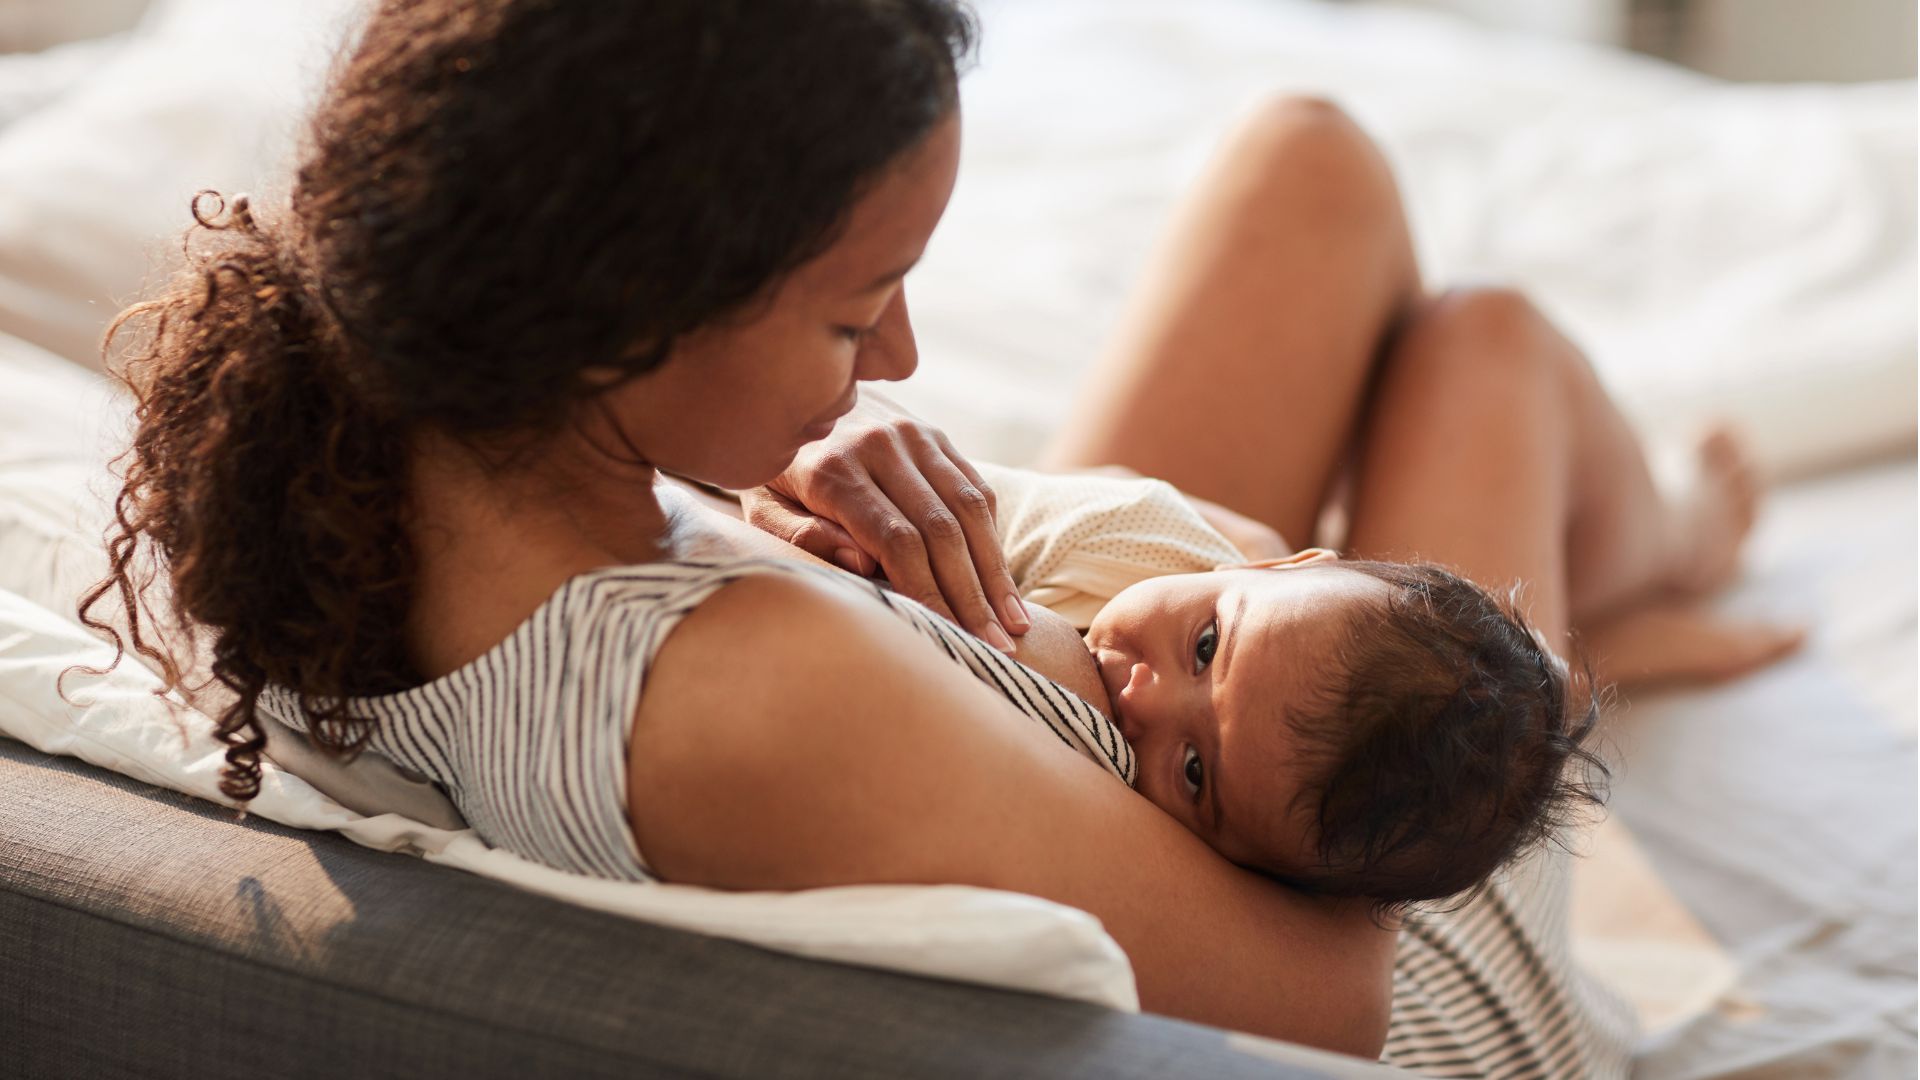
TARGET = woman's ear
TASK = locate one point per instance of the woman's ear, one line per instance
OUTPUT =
(1303, 557)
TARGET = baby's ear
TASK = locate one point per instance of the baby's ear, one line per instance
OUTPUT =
(1303, 557)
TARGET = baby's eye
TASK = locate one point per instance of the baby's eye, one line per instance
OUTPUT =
(1193, 772)
(1203, 649)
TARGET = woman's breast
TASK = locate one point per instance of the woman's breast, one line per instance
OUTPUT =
(1055, 649)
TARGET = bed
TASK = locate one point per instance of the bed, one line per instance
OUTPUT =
(1721, 250)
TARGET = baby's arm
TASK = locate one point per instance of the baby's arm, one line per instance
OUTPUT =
(1255, 539)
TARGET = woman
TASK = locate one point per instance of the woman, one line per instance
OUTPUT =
(400, 453)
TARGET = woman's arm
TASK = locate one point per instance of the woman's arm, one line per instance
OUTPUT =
(791, 737)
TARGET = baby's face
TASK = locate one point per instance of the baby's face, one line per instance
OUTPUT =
(1203, 670)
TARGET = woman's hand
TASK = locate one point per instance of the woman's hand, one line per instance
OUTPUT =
(887, 490)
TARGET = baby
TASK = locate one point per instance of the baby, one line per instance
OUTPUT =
(1367, 729)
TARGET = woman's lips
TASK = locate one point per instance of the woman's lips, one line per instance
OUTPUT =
(823, 427)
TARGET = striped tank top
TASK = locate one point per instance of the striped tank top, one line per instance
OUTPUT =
(530, 742)
(530, 738)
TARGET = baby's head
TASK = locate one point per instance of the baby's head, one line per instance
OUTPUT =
(1385, 730)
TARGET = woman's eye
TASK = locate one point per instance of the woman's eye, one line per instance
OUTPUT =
(1193, 772)
(854, 333)
(1204, 648)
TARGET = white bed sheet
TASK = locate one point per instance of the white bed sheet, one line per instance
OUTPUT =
(1755, 890)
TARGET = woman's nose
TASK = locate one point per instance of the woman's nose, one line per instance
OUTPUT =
(889, 352)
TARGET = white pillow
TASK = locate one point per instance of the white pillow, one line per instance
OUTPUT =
(30, 81)
(94, 187)
(58, 426)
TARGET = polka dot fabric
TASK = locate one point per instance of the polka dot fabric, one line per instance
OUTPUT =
(1073, 541)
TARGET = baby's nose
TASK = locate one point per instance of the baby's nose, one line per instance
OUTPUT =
(1135, 698)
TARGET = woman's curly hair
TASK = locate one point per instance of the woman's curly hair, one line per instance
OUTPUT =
(496, 195)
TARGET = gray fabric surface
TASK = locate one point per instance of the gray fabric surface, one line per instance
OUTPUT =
(144, 933)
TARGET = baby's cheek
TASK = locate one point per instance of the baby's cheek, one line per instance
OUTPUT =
(1151, 792)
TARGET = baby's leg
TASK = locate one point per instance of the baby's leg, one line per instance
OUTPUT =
(1241, 372)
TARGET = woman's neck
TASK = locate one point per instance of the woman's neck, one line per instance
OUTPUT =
(493, 542)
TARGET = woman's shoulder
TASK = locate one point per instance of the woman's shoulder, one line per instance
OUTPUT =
(673, 589)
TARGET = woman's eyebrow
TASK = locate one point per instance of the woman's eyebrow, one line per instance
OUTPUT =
(890, 277)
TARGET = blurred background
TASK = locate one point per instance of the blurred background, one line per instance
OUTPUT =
(1757, 40)
(1760, 40)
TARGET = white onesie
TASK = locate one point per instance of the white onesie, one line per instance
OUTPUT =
(1072, 542)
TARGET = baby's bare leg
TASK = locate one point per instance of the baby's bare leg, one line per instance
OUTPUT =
(1241, 372)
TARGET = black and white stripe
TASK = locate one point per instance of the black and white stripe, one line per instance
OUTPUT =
(1490, 989)
(530, 739)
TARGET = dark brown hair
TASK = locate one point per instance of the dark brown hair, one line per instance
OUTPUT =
(1453, 741)
(496, 195)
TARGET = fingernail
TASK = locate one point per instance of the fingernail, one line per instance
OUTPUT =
(998, 638)
(1016, 613)
(848, 559)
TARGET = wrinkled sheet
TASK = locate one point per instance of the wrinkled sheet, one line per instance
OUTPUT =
(1754, 892)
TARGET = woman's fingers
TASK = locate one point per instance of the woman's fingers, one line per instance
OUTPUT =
(895, 488)
(974, 502)
(775, 514)
(925, 544)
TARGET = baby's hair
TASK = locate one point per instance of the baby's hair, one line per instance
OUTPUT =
(1454, 741)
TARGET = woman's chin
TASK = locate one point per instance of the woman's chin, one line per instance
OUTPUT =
(741, 472)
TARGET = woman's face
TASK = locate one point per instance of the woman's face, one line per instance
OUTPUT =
(735, 401)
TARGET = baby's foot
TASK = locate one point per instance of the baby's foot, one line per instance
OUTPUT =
(1712, 510)
(1658, 643)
